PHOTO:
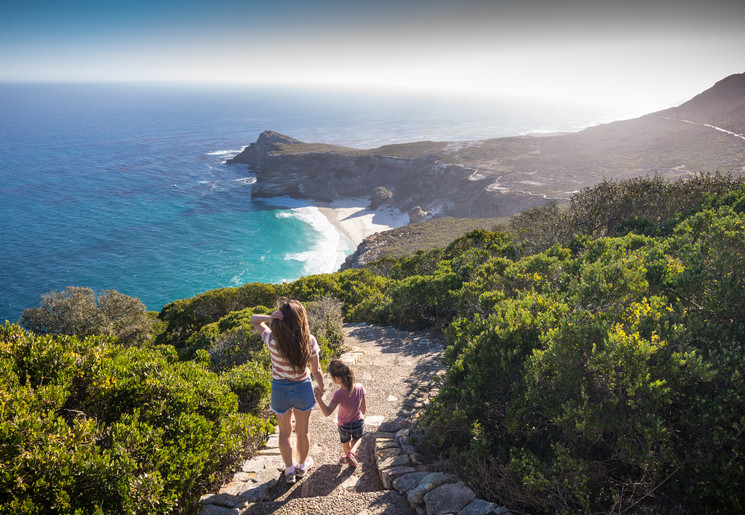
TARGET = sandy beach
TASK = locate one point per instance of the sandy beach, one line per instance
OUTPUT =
(356, 222)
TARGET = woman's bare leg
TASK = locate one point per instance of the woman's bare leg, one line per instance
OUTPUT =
(302, 437)
(285, 432)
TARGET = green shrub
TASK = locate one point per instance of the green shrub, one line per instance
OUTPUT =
(230, 341)
(80, 311)
(251, 383)
(185, 317)
(87, 426)
(603, 378)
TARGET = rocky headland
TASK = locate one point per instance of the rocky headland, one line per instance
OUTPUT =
(499, 177)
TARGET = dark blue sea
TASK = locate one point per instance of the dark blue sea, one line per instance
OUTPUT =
(125, 187)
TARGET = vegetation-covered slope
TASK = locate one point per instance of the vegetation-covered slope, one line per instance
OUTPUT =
(595, 364)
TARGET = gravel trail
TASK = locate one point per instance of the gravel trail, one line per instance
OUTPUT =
(396, 369)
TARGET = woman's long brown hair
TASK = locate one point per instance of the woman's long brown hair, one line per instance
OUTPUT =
(292, 333)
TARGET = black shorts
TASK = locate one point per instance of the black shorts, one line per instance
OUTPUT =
(351, 430)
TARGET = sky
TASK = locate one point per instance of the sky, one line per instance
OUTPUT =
(656, 52)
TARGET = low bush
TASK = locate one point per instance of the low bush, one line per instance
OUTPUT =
(605, 379)
(87, 426)
(251, 383)
(185, 317)
(80, 311)
(327, 325)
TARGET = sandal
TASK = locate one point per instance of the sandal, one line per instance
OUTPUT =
(300, 472)
(343, 460)
(352, 459)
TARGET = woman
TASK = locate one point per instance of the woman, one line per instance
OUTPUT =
(292, 350)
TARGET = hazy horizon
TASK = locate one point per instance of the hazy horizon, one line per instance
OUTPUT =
(642, 55)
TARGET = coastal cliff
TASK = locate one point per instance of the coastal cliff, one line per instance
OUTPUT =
(503, 176)
(287, 167)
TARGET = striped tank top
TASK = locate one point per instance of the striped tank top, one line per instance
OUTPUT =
(281, 368)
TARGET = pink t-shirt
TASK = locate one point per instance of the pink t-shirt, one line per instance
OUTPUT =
(349, 404)
(281, 368)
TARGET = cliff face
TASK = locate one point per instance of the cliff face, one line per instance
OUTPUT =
(283, 168)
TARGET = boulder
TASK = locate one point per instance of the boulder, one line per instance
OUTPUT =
(430, 481)
(380, 196)
(448, 498)
(406, 482)
(417, 214)
(482, 507)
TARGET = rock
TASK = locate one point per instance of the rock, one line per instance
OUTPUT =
(387, 452)
(482, 507)
(234, 488)
(403, 433)
(257, 493)
(417, 214)
(401, 460)
(374, 421)
(284, 166)
(406, 482)
(383, 435)
(213, 509)
(223, 500)
(387, 476)
(393, 426)
(385, 443)
(380, 196)
(430, 481)
(448, 498)
(243, 476)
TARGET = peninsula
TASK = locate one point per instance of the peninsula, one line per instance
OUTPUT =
(502, 176)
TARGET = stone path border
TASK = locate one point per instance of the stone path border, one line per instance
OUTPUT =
(399, 466)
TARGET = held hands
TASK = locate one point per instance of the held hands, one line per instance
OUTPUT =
(317, 392)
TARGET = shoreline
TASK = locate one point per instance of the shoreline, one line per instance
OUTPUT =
(356, 222)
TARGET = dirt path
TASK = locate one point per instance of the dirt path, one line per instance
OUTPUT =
(396, 369)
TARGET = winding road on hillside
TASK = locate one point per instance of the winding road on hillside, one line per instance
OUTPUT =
(700, 124)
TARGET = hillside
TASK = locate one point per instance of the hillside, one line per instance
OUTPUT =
(502, 176)
(423, 236)
(593, 354)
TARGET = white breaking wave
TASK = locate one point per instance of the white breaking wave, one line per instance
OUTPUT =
(245, 180)
(224, 152)
(321, 258)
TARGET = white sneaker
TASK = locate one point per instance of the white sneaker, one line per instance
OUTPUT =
(301, 469)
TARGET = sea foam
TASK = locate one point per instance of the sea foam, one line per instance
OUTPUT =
(329, 249)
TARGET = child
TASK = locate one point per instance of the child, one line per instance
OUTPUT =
(351, 417)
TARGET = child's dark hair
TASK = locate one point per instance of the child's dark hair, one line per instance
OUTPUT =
(343, 372)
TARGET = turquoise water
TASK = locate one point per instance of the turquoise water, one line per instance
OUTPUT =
(124, 186)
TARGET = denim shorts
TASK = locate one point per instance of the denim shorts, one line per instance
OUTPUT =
(351, 430)
(288, 394)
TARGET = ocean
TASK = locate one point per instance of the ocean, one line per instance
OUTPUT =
(125, 186)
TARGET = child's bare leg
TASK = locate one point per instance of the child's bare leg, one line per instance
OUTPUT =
(345, 447)
(354, 445)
